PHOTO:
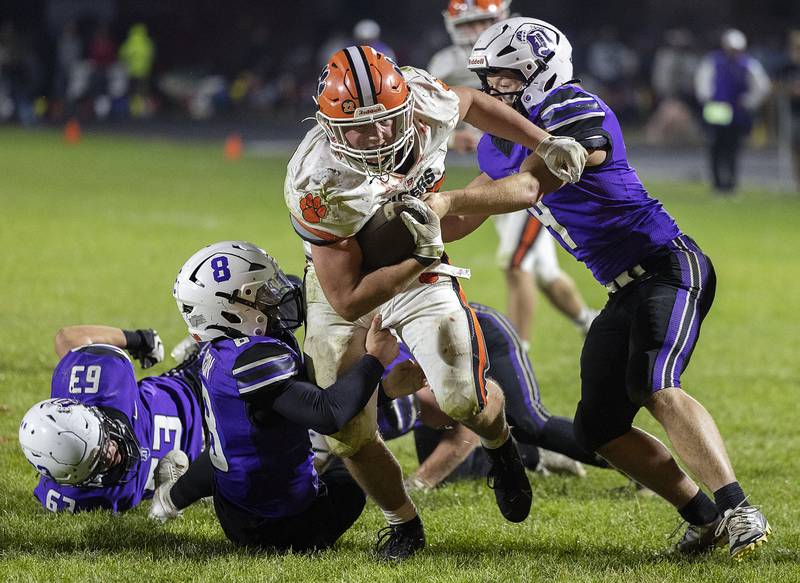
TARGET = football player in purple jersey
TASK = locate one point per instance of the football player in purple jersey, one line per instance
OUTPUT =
(259, 405)
(97, 441)
(661, 285)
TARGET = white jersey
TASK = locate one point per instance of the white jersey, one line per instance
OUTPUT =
(329, 201)
(450, 65)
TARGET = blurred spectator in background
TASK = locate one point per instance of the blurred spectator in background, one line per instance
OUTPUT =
(674, 66)
(137, 54)
(730, 85)
(69, 51)
(102, 56)
(368, 32)
(20, 75)
(614, 65)
(789, 90)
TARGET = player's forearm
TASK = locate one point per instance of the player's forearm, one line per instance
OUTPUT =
(455, 446)
(457, 227)
(513, 193)
(71, 337)
(375, 288)
(490, 115)
(328, 410)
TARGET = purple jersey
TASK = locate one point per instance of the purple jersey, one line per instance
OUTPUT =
(263, 463)
(163, 412)
(606, 220)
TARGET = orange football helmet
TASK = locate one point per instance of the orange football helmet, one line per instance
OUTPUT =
(361, 89)
(461, 12)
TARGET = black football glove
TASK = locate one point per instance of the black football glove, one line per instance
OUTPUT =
(145, 346)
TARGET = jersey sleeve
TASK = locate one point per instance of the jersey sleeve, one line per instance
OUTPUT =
(434, 102)
(571, 111)
(99, 375)
(263, 368)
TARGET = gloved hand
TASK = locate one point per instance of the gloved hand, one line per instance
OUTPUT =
(427, 235)
(145, 346)
(564, 157)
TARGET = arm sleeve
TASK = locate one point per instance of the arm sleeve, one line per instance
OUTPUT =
(328, 410)
(759, 85)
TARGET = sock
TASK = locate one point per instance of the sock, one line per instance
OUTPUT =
(526, 345)
(195, 484)
(699, 511)
(406, 513)
(499, 442)
(729, 497)
(581, 319)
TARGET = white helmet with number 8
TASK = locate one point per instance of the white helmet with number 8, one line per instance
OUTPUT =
(537, 51)
(233, 288)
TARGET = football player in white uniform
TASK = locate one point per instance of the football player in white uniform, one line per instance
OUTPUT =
(382, 132)
(526, 252)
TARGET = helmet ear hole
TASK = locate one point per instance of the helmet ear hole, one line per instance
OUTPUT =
(232, 318)
(550, 82)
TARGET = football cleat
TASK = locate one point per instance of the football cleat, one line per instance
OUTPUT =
(507, 477)
(557, 463)
(699, 539)
(397, 542)
(171, 467)
(747, 529)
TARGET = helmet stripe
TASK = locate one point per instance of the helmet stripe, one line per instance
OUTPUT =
(372, 91)
(360, 68)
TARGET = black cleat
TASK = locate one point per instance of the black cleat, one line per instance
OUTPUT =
(508, 479)
(397, 542)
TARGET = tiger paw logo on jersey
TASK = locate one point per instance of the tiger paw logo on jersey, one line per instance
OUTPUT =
(312, 208)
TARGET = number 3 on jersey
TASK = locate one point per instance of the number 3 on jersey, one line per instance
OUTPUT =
(215, 447)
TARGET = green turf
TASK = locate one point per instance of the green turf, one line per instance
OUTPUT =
(95, 233)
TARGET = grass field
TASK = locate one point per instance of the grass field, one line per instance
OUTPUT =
(95, 233)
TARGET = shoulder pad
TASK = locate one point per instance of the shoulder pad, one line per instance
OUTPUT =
(262, 363)
(566, 105)
(102, 350)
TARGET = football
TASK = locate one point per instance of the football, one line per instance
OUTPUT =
(385, 239)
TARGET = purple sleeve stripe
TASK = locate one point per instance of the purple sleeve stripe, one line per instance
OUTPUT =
(261, 362)
(265, 374)
(575, 109)
(576, 102)
(266, 382)
(573, 119)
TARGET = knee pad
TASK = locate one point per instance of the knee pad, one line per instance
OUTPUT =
(596, 427)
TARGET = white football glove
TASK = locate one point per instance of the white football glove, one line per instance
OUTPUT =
(427, 235)
(564, 157)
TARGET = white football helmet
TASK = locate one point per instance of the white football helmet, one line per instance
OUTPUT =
(71, 443)
(537, 51)
(233, 288)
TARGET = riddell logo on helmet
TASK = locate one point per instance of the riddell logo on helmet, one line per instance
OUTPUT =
(370, 110)
(477, 61)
